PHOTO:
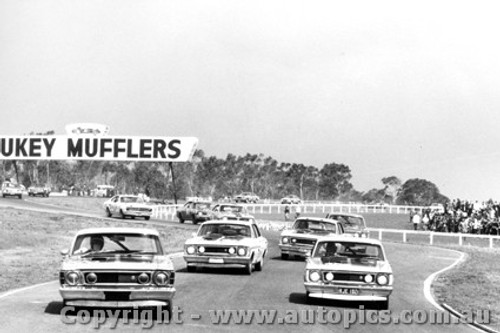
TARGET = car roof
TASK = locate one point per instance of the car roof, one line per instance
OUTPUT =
(341, 238)
(229, 221)
(346, 214)
(118, 230)
(316, 219)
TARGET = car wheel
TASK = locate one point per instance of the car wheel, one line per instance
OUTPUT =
(193, 218)
(20, 196)
(260, 264)
(284, 256)
(191, 269)
(249, 268)
(168, 309)
(108, 212)
(121, 214)
(147, 218)
(181, 220)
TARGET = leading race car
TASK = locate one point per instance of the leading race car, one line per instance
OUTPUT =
(228, 210)
(12, 190)
(117, 267)
(128, 206)
(354, 224)
(35, 190)
(300, 239)
(349, 269)
(227, 243)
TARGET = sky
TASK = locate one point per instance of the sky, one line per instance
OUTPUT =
(389, 88)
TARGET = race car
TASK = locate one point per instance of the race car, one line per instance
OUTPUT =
(354, 224)
(10, 189)
(300, 239)
(246, 197)
(196, 211)
(36, 190)
(291, 199)
(227, 209)
(226, 243)
(117, 267)
(127, 206)
(349, 269)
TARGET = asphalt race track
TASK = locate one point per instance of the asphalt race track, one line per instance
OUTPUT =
(278, 287)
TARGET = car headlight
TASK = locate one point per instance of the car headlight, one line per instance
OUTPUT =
(91, 278)
(293, 240)
(201, 249)
(285, 240)
(329, 276)
(231, 250)
(368, 278)
(242, 251)
(161, 278)
(72, 278)
(143, 278)
(314, 276)
(382, 279)
(190, 249)
(363, 235)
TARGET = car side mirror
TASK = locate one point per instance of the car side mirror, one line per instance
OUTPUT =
(64, 252)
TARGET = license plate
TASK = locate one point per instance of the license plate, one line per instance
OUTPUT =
(215, 261)
(348, 291)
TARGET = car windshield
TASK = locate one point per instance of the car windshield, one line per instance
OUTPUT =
(308, 225)
(116, 244)
(212, 230)
(233, 209)
(353, 223)
(131, 199)
(329, 250)
(203, 205)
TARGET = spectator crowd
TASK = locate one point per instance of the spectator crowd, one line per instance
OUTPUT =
(460, 216)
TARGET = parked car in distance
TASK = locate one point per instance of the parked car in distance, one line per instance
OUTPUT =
(349, 269)
(226, 244)
(128, 206)
(104, 191)
(195, 211)
(10, 189)
(117, 267)
(37, 190)
(300, 239)
(291, 199)
(247, 197)
(354, 224)
(437, 207)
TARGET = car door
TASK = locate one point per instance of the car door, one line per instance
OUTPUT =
(261, 241)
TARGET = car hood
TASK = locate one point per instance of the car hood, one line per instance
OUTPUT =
(143, 262)
(306, 234)
(348, 264)
(205, 241)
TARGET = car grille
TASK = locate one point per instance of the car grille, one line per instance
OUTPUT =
(140, 209)
(354, 277)
(305, 241)
(117, 296)
(216, 249)
(112, 277)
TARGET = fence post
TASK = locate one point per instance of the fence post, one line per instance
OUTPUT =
(279, 207)
(460, 240)
(404, 236)
(262, 209)
(380, 235)
(491, 242)
(431, 240)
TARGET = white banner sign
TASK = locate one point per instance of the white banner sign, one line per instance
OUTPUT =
(106, 148)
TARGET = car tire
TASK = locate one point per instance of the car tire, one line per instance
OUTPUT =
(260, 264)
(284, 256)
(249, 268)
(122, 216)
(181, 220)
(147, 218)
(108, 213)
(191, 269)
(20, 196)
(193, 218)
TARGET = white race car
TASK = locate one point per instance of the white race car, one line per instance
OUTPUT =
(127, 206)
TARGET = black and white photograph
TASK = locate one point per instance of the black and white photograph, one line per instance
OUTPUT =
(243, 166)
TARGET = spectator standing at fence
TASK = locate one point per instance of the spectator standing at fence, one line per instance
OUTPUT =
(416, 220)
(287, 212)
(297, 211)
(426, 219)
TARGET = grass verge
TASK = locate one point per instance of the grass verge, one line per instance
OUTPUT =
(472, 285)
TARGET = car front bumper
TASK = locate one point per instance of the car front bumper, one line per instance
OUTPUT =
(364, 293)
(116, 297)
(296, 250)
(138, 213)
(216, 262)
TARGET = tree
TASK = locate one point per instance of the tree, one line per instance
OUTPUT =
(419, 192)
(334, 180)
(392, 187)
